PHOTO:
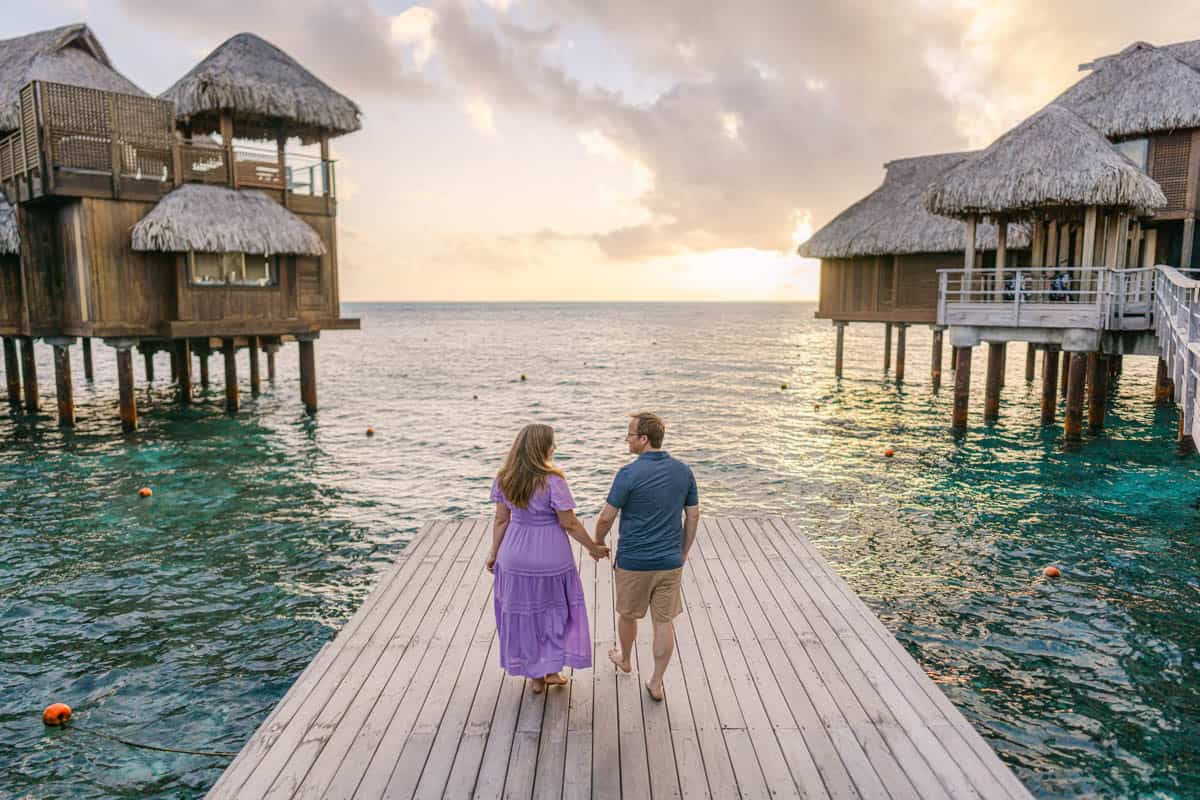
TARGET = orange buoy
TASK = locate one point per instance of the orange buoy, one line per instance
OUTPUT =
(145, 491)
(889, 452)
(56, 714)
(370, 431)
(1052, 572)
(816, 406)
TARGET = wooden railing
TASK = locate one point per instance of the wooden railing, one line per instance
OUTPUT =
(1177, 324)
(1045, 297)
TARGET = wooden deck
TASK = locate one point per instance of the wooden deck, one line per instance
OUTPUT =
(784, 684)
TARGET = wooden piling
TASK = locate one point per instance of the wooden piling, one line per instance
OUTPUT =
(991, 390)
(231, 385)
(1073, 418)
(1162, 385)
(1064, 377)
(1003, 363)
(1030, 362)
(839, 348)
(935, 373)
(203, 354)
(255, 376)
(33, 401)
(1049, 385)
(89, 374)
(901, 335)
(887, 346)
(271, 348)
(174, 359)
(129, 414)
(148, 358)
(953, 358)
(1097, 391)
(308, 375)
(12, 371)
(183, 358)
(64, 391)
(962, 388)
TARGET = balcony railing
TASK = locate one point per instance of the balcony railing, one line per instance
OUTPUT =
(74, 140)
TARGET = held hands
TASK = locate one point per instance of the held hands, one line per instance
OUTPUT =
(598, 551)
(491, 563)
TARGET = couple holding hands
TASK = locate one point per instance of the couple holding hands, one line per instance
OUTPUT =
(541, 614)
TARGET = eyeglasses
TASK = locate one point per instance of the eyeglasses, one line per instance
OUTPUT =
(635, 435)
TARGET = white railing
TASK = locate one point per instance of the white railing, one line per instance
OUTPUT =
(1177, 325)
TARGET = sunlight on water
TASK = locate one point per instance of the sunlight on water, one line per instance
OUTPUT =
(181, 619)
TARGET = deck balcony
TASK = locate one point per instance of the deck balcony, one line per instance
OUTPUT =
(79, 142)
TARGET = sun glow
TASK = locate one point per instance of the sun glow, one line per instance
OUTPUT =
(803, 230)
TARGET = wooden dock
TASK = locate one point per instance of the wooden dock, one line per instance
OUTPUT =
(784, 684)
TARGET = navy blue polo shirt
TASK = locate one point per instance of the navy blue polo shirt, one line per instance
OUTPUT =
(652, 492)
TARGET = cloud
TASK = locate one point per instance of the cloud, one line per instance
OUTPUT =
(480, 114)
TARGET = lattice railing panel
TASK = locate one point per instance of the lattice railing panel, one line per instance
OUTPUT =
(1170, 168)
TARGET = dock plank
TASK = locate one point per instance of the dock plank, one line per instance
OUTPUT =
(783, 684)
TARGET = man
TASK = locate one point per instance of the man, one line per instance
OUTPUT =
(656, 498)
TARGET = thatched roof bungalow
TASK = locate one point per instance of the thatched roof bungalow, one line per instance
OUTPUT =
(70, 54)
(879, 257)
(215, 219)
(262, 87)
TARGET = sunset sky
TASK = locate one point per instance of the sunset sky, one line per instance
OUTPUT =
(627, 149)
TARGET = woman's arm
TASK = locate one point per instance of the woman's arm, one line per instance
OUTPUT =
(499, 526)
(574, 528)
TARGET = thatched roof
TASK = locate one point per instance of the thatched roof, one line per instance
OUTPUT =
(893, 221)
(1053, 159)
(10, 240)
(70, 54)
(214, 219)
(263, 86)
(1139, 90)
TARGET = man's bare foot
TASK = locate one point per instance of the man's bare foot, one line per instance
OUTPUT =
(555, 679)
(656, 692)
(538, 685)
(614, 655)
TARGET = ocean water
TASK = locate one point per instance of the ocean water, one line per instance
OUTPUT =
(180, 620)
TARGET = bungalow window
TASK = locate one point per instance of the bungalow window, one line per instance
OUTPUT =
(1137, 151)
(231, 269)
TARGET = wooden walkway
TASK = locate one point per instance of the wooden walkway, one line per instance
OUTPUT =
(784, 684)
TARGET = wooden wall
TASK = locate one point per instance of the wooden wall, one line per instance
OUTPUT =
(10, 295)
(883, 288)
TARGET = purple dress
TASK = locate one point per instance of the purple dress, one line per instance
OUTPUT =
(541, 614)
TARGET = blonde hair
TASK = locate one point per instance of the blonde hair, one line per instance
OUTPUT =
(528, 464)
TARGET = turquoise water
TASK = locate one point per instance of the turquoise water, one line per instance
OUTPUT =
(181, 619)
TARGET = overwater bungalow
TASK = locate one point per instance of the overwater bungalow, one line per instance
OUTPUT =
(880, 257)
(159, 223)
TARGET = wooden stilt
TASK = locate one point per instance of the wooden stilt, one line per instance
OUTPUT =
(89, 374)
(129, 414)
(1115, 364)
(839, 348)
(1097, 391)
(901, 336)
(962, 389)
(1162, 386)
(12, 371)
(991, 391)
(1049, 385)
(887, 346)
(183, 358)
(255, 376)
(1073, 419)
(173, 358)
(203, 354)
(64, 391)
(1064, 376)
(935, 373)
(1030, 362)
(271, 350)
(148, 358)
(953, 358)
(308, 374)
(33, 401)
(1003, 363)
(231, 384)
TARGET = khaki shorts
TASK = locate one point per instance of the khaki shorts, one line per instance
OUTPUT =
(657, 590)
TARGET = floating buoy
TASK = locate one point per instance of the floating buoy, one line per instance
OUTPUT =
(370, 431)
(1052, 572)
(56, 714)
(474, 397)
(783, 386)
(889, 452)
(522, 376)
(816, 406)
(145, 491)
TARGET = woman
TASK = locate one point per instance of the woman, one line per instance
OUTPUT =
(541, 614)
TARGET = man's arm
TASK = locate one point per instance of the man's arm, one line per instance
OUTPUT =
(691, 521)
(605, 522)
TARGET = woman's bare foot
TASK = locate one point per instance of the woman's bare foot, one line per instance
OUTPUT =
(614, 655)
(555, 679)
(538, 686)
(656, 692)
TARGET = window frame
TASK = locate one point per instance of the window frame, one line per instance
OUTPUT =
(271, 262)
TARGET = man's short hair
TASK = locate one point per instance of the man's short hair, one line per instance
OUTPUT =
(651, 426)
